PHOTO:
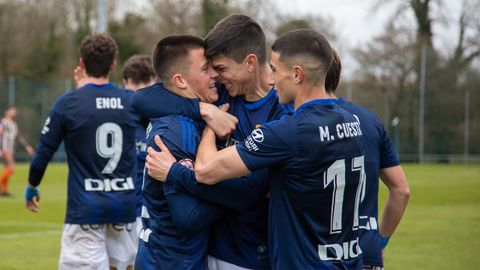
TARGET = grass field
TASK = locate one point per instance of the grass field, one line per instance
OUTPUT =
(440, 230)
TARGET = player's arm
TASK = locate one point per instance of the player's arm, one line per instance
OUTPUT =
(25, 144)
(399, 193)
(213, 166)
(272, 144)
(154, 102)
(239, 194)
(51, 136)
(190, 214)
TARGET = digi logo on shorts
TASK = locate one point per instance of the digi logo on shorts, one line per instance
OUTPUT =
(115, 184)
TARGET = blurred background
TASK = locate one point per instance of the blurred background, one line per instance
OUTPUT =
(415, 63)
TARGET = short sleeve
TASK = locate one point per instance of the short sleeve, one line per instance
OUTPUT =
(271, 144)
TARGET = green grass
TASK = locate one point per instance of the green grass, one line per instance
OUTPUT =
(440, 229)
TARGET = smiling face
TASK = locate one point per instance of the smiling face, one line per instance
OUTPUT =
(235, 76)
(283, 77)
(200, 76)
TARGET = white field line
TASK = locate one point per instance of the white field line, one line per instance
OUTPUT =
(5, 236)
(31, 224)
(52, 229)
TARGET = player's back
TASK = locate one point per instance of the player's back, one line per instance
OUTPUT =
(99, 128)
(315, 177)
(379, 154)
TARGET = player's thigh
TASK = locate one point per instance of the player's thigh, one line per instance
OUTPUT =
(9, 159)
(217, 264)
(122, 244)
(83, 247)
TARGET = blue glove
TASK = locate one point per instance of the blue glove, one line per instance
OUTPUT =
(383, 241)
(31, 193)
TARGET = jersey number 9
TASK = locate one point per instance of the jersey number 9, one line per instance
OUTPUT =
(112, 151)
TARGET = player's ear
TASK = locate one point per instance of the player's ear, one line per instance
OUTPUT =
(179, 81)
(113, 65)
(298, 74)
(251, 61)
(81, 63)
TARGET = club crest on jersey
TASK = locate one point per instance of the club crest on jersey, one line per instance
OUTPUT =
(188, 163)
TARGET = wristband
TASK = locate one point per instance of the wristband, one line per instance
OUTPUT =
(383, 241)
(30, 193)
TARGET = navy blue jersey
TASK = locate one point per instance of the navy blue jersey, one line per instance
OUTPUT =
(141, 147)
(316, 166)
(155, 101)
(379, 154)
(241, 236)
(176, 225)
(98, 127)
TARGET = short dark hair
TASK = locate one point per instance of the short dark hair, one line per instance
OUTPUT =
(235, 37)
(139, 69)
(98, 53)
(333, 74)
(309, 47)
(171, 51)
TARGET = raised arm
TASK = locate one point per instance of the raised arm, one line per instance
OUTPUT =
(155, 101)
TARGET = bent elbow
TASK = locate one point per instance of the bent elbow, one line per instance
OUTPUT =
(202, 176)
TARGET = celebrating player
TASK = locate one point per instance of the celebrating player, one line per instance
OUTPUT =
(316, 161)
(236, 48)
(97, 124)
(380, 160)
(137, 74)
(176, 225)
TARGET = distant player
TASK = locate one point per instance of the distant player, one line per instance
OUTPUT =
(380, 161)
(9, 134)
(315, 158)
(137, 74)
(175, 224)
(97, 124)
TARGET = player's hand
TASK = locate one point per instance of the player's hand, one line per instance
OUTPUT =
(158, 164)
(79, 76)
(32, 198)
(30, 150)
(221, 122)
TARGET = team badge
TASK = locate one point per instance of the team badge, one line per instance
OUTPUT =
(188, 163)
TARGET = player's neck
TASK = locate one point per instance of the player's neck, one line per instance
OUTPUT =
(309, 93)
(260, 86)
(97, 81)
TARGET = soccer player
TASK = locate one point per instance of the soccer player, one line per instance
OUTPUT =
(315, 158)
(236, 48)
(380, 161)
(176, 225)
(137, 74)
(97, 125)
(8, 135)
